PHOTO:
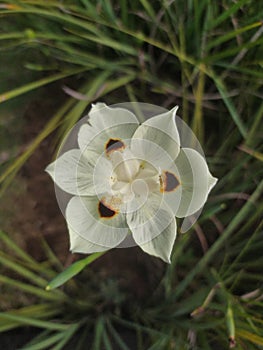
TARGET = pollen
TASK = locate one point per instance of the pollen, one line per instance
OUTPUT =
(142, 165)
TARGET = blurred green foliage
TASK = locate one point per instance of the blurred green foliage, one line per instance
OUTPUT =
(205, 56)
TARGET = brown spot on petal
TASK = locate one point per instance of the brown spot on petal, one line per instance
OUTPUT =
(169, 182)
(114, 145)
(105, 211)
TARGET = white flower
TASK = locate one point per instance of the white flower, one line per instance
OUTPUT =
(129, 179)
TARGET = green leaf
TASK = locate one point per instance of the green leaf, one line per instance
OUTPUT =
(66, 337)
(237, 220)
(253, 338)
(227, 14)
(37, 84)
(39, 292)
(230, 106)
(72, 271)
(33, 321)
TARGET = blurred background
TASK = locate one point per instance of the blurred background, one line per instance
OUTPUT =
(58, 57)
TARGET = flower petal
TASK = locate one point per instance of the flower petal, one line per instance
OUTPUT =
(196, 181)
(75, 172)
(148, 218)
(125, 165)
(151, 153)
(153, 226)
(162, 245)
(161, 130)
(106, 124)
(101, 174)
(103, 117)
(97, 220)
(158, 168)
(69, 172)
(81, 245)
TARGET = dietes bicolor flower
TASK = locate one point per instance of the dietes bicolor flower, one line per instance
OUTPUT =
(128, 178)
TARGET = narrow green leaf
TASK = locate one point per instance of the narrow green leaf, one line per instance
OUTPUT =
(254, 132)
(33, 322)
(72, 271)
(231, 35)
(106, 41)
(254, 338)
(39, 338)
(33, 290)
(8, 36)
(146, 4)
(98, 334)
(43, 311)
(137, 326)
(66, 338)
(15, 248)
(106, 340)
(252, 152)
(36, 84)
(227, 13)
(17, 267)
(45, 343)
(230, 106)
(117, 337)
(230, 325)
(237, 220)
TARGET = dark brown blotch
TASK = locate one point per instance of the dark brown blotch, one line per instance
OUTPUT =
(105, 211)
(114, 145)
(169, 182)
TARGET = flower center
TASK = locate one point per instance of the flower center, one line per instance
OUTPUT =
(132, 177)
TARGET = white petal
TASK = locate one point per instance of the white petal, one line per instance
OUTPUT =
(103, 117)
(161, 130)
(81, 245)
(162, 245)
(69, 173)
(148, 218)
(150, 153)
(155, 162)
(101, 175)
(106, 123)
(196, 181)
(75, 172)
(125, 165)
(82, 215)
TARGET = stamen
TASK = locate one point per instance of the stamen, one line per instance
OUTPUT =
(114, 145)
(169, 182)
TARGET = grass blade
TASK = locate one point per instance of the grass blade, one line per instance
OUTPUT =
(33, 322)
(72, 271)
(59, 297)
(45, 343)
(253, 338)
(66, 337)
(37, 84)
(220, 241)
(230, 106)
(227, 14)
